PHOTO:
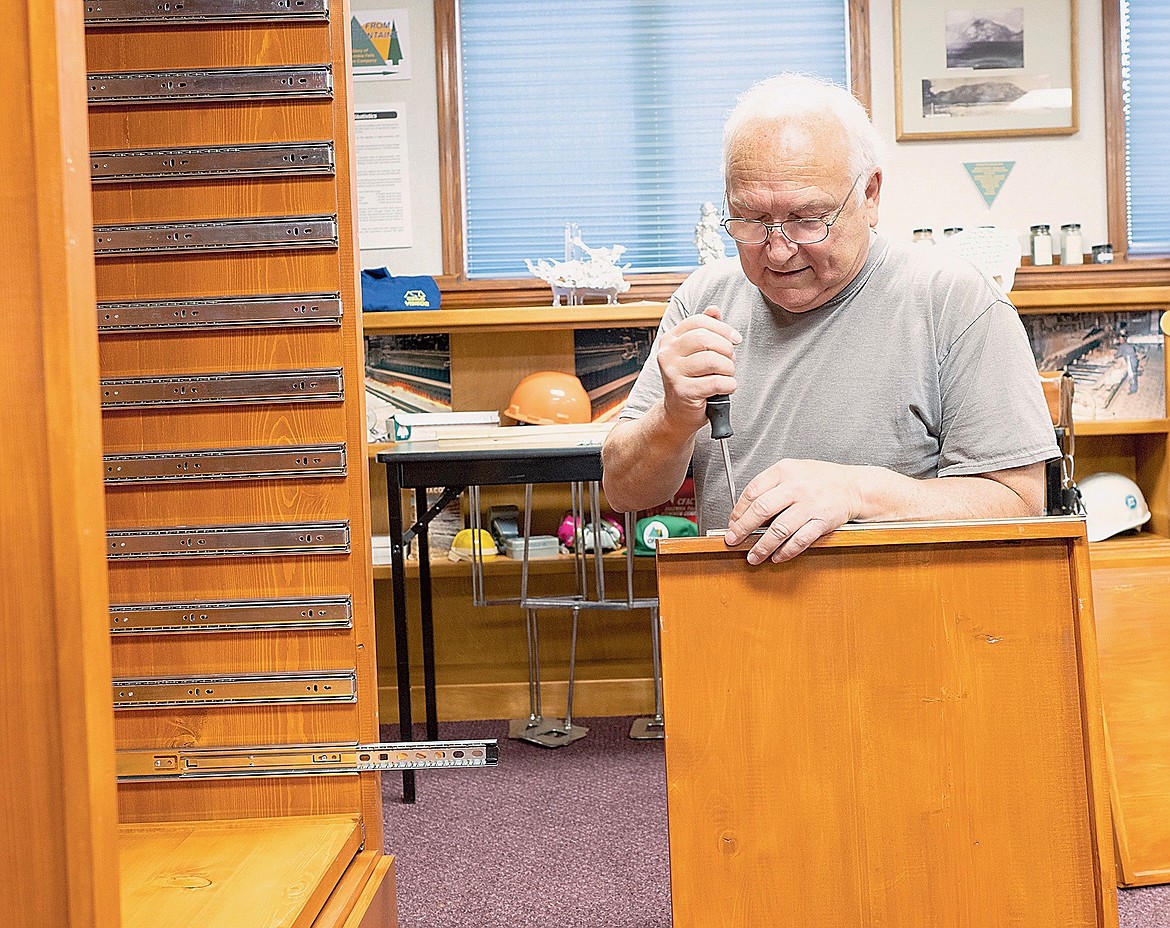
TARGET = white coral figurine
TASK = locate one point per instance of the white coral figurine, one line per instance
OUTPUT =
(598, 274)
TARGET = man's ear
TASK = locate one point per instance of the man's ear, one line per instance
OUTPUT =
(873, 194)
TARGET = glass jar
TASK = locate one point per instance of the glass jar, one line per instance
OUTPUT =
(1103, 254)
(953, 230)
(1041, 246)
(924, 236)
(1072, 251)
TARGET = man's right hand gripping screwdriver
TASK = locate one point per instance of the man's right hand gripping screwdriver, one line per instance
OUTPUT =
(719, 414)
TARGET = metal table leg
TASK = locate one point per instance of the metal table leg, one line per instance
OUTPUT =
(401, 642)
(426, 614)
(646, 729)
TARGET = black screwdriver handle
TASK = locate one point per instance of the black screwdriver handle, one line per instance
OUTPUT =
(719, 413)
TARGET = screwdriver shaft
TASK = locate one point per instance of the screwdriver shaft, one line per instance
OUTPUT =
(727, 468)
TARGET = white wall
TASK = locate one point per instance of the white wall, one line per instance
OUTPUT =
(1056, 179)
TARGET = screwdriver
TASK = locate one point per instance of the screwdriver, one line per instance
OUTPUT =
(719, 414)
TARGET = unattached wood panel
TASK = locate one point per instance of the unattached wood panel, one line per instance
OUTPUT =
(485, 367)
(882, 735)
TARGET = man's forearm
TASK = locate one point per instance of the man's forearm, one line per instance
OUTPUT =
(644, 461)
(1006, 494)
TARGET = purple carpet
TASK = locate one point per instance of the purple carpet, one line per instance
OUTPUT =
(567, 838)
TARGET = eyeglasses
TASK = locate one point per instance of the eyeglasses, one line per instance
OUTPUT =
(796, 231)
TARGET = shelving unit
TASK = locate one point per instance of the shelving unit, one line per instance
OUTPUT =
(488, 359)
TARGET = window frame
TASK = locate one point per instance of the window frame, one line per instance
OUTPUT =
(1154, 268)
(511, 291)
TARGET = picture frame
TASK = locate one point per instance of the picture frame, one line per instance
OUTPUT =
(984, 68)
(1117, 360)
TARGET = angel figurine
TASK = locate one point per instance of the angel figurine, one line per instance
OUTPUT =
(708, 240)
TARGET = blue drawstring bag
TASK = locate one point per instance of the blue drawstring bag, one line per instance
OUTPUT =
(383, 292)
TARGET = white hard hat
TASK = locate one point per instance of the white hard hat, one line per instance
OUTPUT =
(1113, 503)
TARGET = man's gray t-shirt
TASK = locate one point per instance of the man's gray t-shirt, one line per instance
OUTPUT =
(919, 365)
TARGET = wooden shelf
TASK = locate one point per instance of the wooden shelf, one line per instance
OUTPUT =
(1138, 427)
(515, 318)
(501, 566)
(1125, 546)
(1086, 299)
(234, 873)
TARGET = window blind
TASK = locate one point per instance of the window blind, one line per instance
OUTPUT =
(1145, 74)
(610, 115)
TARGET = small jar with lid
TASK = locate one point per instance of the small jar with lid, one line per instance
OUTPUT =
(924, 236)
(1041, 245)
(1072, 251)
(953, 230)
(1103, 254)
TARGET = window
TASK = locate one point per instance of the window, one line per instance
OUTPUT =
(609, 115)
(1142, 33)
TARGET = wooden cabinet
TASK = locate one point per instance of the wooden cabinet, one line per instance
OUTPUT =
(234, 516)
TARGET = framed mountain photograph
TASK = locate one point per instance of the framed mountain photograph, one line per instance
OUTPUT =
(967, 71)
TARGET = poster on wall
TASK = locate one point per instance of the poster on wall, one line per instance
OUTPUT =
(971, 70)
(383, 178)
(380, 41)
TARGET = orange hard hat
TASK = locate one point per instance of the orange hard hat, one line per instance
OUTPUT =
(549, 398)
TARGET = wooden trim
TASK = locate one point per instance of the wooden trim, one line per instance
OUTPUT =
(1073, 69)
(1090, 298)
(450, 107)
(860, 68)
(1114, 129)
(465, 702)
(364, 896)
(1055, 283)
(56, 726)
(358, 485)
(1093, 733)
(378, 906)
(516, 318)
(896, 12)
(862, 534)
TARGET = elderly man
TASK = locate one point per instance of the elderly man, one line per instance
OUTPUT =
(871, 380)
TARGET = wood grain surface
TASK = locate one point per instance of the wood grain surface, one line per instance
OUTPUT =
(59, 858)
(307, 867)
(896, 734)
(1131, 595)
(210, 873)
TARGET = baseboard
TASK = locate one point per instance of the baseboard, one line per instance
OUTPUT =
(474, 701)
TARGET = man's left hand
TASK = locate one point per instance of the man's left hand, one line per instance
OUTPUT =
(799, 501)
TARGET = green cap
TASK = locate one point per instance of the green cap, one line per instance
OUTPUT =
(651, 528)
